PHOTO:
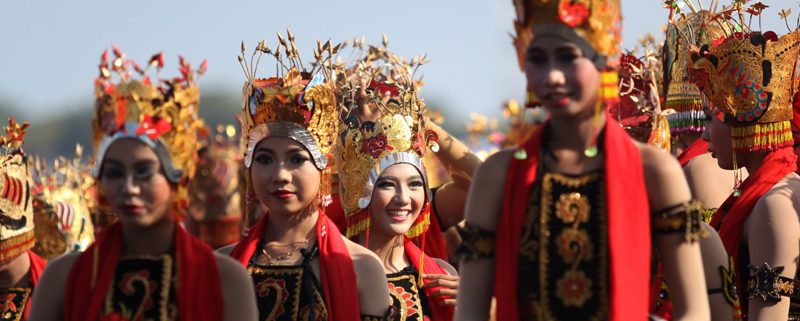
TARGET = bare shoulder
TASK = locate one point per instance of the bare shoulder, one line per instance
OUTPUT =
(779, 206)
(485, 197)
(373, 291)
(237, 290)
(658, 163)
(664, 178)
(446, 266)
(362, 257)
(48, 299)
(226, 250)
(230, 269)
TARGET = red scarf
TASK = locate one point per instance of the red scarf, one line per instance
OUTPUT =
(199, 289)
(339, 285)
(432, 241)
(699, 147)
(429, 266)
(36, 269)
(628, 226)
(730, 217)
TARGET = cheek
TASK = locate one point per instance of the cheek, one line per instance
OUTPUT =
(307, 178)
(160, 190)
(380, 200)
(584, 78)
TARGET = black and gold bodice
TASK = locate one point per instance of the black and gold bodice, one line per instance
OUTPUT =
(408, 300)
(13, 302)
(288, 293)
(144, 288)
(564, 250)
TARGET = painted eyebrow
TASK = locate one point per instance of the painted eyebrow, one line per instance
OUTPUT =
(292, 149)
(138, 163)
(397, 179)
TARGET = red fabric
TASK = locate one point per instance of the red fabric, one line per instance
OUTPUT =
(628, 226)
(699, 147)
(730, 217)
(429, 266)
(433, 244)
(339, 284)
(199, 289)
(36, 269)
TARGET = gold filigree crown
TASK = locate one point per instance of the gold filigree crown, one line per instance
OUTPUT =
(162, 113)
(749, 76)
(16, 208)
(597, 23)
(298, 103)
(398, 135)
(686, 31)
(61, 206)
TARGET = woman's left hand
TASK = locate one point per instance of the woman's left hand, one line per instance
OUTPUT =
(447, 291)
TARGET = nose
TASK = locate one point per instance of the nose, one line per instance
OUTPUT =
(554, 76)
(282, 176)
(402, 196)
(129, 186)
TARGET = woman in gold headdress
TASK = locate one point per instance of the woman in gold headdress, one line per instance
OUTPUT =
(144, 266)
(569, 236)
(301, 266)
(750, 77)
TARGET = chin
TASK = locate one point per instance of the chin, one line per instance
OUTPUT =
(141, 221)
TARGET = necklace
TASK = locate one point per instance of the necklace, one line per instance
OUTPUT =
(272, 260)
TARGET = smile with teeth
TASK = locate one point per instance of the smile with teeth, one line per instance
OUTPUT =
(398, 212)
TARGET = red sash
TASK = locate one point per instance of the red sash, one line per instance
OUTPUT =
(339, 284)
(36, 269)
(199, 289)
(730, 217)
(699, 147)
(628, 226)
(429, 266)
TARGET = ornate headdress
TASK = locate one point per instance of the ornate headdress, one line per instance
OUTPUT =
(215, 198)
(162, 113)
(690, 30)
(399, 135)
(594, 25)
(61, 210)
(639, 111)
(298, 103)
(749, 76)
(16, 208)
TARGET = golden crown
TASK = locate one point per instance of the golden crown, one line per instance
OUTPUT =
(16, 208)
(398, 135)
(162, 113)
(687, 31)
(298, 103)
(597, 23)
(750, 76)
(61, 206)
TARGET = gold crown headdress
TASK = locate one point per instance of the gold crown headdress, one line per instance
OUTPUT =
(692, 29)
(365, 149)
(215, 199)
(594, 25)
(61, 206)
(749, 76)
(16, 208)
(297, 103)
(639, 111)
(162, 113)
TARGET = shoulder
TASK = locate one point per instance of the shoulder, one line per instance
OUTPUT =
(233, 277)
(497, 161)
(365, 261)
(656, 162)
(446, 266)
(48, 298)
(229, 266)
(485, 197)
(58, 270)
(664, 178)
(780, 204)
(226, 250)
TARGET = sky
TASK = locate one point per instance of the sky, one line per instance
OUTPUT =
(49, 50)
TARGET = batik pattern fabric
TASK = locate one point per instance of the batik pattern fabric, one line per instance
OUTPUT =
(408, 299)
(144, 289)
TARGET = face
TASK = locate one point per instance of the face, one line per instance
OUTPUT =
(133, 182)
(718, 136)
(285, 179)
(565, 82)
(397, 199)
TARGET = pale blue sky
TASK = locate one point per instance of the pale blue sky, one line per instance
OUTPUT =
(49, 49)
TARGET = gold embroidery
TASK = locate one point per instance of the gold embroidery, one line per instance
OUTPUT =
(409, 300)
(285, 284)
(573, 206)
(133, 281)
(12, 303)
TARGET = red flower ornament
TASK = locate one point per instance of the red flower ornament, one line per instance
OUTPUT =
(376, 145)
(153, 127)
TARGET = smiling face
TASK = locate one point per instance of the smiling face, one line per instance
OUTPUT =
(565, 82)
(284, 177)
(397, 199)
(133, 181)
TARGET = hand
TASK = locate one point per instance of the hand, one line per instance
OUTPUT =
(447, 291)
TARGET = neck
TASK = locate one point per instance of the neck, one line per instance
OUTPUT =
(562, 131)
(389, 249)
(152, 240)
(751, 161)
(14, 273)
(290, 228)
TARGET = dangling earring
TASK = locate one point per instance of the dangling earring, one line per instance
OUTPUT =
(737, 176)
(608, 96)
(531, 100)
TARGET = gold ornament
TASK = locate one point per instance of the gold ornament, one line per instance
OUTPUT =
(16, 208)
